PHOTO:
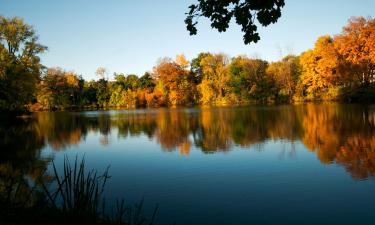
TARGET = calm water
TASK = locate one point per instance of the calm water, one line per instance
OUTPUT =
(306, 164)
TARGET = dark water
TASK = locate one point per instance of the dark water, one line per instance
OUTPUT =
(306, 164)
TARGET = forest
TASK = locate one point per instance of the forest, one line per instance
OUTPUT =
(338, 68)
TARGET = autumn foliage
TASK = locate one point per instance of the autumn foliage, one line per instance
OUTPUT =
(343, 66)
(339, 68)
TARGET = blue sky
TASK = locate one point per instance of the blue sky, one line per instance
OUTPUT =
(129, 36)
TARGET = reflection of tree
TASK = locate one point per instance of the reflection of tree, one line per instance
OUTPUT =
(60, 130)
(256, 125)
(20, 160)
(320, 123)
(342, 134)
(173, 128)
(185, 148)
(135, 124)
(358, 156)
(214, 131)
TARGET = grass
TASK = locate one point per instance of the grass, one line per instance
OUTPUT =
(74, 196)
(78, 194)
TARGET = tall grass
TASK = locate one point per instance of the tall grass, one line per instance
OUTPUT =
(77, 195)
(132, 215)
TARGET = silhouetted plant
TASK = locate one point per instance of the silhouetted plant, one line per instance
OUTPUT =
(78, 193)
(130, 215)
(78, 196)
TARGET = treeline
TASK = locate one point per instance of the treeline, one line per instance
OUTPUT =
(209, 79)
(338, 68)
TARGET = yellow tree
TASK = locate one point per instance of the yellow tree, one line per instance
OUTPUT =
(173, 77)
(320, 68)
(356, 44)
(58, 89)
(215, 77)
(182, 61)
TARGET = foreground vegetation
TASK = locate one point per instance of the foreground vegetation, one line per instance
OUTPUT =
(337, 68)
(74, 196)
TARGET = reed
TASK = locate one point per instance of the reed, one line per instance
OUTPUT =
(77, 196)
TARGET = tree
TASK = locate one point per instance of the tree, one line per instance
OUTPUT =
(286, 74)
(120, 79)
(101, 72)
(356, 44)
(320, 69)
(123, 92)
(120, 97)
(196, 68)
(239, 78)
(245, 12)
(249, 80)
(89, 93)
(146, 81)
(182, 61)
(102, 93)
(132, 82)
(75, 87)
(59, 89)
(174, 77)
(20, 65)
(215, 77)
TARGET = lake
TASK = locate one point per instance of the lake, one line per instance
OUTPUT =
(302, 164)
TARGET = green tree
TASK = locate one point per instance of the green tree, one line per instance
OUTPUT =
(196, 68)
(120, 79)
(146, 81)
(249, 80)
(132, 82)
(20, 65)
(89, 93)
(286, 74)
(102, 93)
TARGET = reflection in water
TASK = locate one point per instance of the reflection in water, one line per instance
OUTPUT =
(20, 160)
(345, 135)
(342, 134)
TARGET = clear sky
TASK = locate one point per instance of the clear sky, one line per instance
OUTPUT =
(128, 36)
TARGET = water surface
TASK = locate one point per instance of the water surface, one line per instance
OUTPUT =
(304, 164)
